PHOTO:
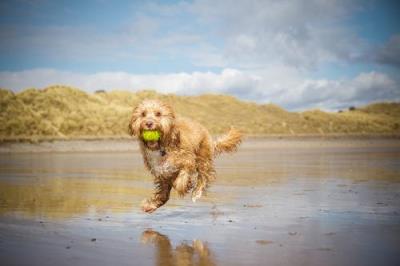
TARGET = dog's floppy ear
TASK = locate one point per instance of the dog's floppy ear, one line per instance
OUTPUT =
(175, 137)
(170, 110)
(172, 137)
(132, 127)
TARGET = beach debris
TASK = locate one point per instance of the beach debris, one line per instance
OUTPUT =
(264, 242)
(252, 205)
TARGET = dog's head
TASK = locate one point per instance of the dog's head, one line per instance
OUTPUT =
(151, 115)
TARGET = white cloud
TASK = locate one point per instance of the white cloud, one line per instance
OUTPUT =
(336, 94)
(182, 83)
(302, 34)
(280, 86)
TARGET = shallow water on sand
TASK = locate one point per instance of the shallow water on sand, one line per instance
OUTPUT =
(280, 202)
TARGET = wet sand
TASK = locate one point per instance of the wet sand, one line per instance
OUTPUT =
(275, 202)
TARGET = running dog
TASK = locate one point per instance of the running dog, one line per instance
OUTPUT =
(183, 157)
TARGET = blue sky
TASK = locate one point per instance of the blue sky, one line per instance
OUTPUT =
(298, 54)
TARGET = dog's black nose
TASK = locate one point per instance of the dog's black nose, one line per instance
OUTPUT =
(149, 124)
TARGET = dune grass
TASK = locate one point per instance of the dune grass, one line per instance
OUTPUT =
(61, 112)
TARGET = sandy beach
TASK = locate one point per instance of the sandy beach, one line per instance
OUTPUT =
(296, 201)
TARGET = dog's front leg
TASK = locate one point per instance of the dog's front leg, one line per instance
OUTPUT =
(160, 196)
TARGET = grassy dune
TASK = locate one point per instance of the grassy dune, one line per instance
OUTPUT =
(64, 113)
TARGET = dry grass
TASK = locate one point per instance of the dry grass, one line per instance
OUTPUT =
(64, 112)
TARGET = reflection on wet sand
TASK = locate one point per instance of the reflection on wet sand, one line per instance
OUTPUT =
(68, 197)
(265, 166)
(195, 253)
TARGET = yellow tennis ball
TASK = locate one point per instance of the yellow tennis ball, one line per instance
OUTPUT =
(151, 135)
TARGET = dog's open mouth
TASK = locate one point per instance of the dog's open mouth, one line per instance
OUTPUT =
(153, 144)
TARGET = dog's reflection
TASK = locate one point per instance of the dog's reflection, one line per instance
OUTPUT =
(195, 253)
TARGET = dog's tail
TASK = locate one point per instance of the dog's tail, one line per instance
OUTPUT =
(228, 142)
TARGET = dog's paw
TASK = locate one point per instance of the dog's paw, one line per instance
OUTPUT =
(196, 194)
(148, 206)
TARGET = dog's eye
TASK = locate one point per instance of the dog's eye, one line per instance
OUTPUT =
(143, 114)
(158, 113)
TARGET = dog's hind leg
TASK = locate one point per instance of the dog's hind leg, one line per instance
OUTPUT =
(206, 174)
(184, 182)
(205, 169)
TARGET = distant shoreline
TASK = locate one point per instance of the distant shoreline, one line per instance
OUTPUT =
(130, 144)
(38, 139)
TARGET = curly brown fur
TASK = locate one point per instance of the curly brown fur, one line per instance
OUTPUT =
(183, 157)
